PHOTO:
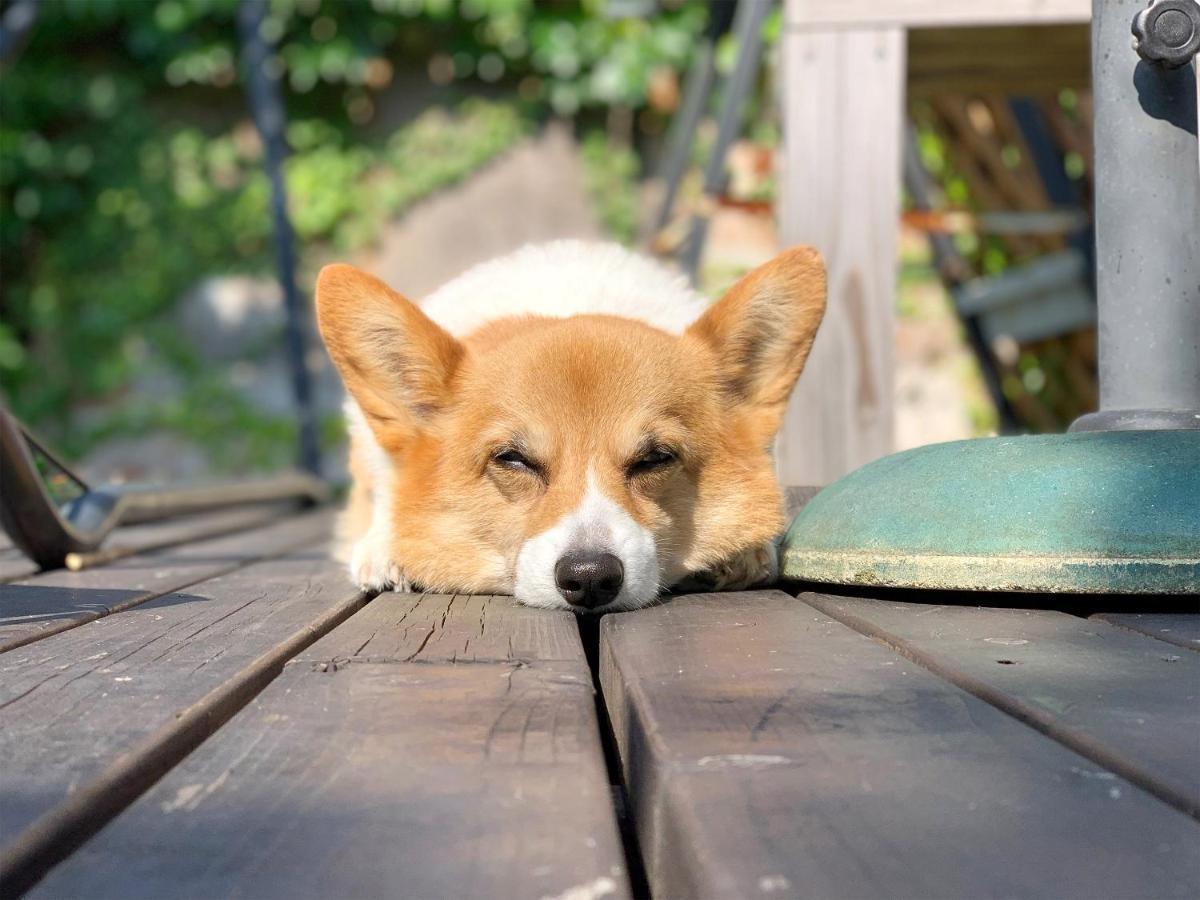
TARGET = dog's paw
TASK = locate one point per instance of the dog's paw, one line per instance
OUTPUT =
(755, 566)
(373, 569)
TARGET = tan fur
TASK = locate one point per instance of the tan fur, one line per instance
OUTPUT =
(586, 393)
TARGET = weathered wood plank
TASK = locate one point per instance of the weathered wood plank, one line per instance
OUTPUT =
(1180, 629)
(449, 628)
(133, 539)
(842, 123)
(770, 749)
(933, 13)
(91, 717)
(15, 564)
(1123, 700)
(387, 761)
(35, 608)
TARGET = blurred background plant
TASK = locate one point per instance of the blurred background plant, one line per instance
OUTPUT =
(129, 169)
(132, 192)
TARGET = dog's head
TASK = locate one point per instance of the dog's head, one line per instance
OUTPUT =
(588, 461)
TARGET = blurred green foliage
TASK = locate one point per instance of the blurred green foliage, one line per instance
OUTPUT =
(128, 168)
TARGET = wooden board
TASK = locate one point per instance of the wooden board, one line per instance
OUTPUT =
(1010, 61)
(387, 761)
(132, 539)
(1125, 701)
(15, 564)
(92, 716)
(457, 628)
(771, 750)
(1180, 629)
(842, 126)
(927, 13)
(34, 608)
(152, 535)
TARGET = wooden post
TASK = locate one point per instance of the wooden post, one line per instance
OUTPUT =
(843, 99)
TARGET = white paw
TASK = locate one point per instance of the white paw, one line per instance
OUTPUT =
(373, 569)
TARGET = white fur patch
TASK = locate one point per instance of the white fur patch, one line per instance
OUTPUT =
(599, 524)
(566, 278)
(371, 563)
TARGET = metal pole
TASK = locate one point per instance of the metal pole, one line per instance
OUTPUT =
(695, 98)
(266, 106)
(747, 27)
(1147, 224)
(683, 131)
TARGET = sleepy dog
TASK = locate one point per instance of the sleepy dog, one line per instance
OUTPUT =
(571, 424)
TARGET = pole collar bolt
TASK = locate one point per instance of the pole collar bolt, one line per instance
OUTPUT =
(1168, 32)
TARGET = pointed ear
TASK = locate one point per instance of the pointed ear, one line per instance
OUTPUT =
(762, 330)
(395, 361)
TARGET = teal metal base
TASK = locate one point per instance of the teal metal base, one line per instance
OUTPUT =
(1095, 512)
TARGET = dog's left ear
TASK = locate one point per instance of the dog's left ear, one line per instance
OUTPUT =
(762, 330)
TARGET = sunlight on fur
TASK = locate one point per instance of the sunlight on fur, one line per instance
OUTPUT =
(571, 424)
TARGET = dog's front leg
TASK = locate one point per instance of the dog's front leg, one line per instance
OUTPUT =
(753, 567)
(373, 562)
(372, 565)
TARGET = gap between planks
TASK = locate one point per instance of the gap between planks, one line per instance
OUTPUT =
(58, 833)
(1180, 629)
(770, 748)
(500, 787)
(1102, 749)
(138, 578)
(132, 539)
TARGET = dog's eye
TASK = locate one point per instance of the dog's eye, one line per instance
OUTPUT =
(657, 458)
(513, 459)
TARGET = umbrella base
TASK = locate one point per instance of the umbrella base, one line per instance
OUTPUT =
(1089, 512)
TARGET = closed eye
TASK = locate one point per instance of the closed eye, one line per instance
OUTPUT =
(509, 458)
(652, 461)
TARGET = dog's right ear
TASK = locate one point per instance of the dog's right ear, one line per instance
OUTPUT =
(395, 361)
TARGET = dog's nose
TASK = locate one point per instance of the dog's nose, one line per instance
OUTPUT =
(589, 579)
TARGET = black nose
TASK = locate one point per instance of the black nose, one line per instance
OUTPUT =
(589, 579)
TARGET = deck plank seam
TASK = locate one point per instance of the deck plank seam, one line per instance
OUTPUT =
(1021, 711)
(118, 551)
(124, 606)
(624, 800)
(1125, 626)
(58, 833)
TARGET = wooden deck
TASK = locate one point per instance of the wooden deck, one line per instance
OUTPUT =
(215, 713)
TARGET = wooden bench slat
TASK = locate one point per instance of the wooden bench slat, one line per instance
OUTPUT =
(90, 717)
(1180, 629)
(387, 761)
(770, 750)
(1121, 699)
(52, 602)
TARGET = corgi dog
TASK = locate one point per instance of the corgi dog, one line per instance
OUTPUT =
(571, 424)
